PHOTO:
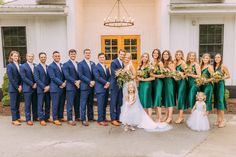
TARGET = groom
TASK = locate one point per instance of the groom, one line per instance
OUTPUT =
(116, 92)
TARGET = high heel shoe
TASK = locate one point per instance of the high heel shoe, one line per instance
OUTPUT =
(179, 121)
(222, 124)
(169, 121)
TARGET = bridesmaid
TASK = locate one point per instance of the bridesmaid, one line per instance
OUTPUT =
(15, 87)
(207, 71)
(219, 90)
(145, 85)
(181, 85)
(192, 89)
(168, 91)
(157, 83)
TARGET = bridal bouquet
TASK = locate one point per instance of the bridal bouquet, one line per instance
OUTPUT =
(201, 81)
(155, 70)
(189, 70)
(217, 76)
(122, 77)
(144, 73)
(168, 73)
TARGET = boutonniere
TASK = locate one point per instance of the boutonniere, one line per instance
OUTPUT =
(91, 63)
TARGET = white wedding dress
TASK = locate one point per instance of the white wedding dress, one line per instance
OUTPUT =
(135, 114)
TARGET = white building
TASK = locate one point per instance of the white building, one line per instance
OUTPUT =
(196, 25)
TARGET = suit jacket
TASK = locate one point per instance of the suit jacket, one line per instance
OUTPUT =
(101, 78)
(41, 78)
(13, 77)
(85, 74)
(56, 76)
(115, 65)
(71, 75)
(27, 77)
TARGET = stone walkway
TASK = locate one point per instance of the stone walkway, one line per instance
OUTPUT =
(97, 141)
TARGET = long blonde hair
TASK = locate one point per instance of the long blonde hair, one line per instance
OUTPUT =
(10, 60)
(188, 56)
(141, 59)
(204, 55)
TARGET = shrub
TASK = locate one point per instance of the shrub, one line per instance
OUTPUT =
(6, 97)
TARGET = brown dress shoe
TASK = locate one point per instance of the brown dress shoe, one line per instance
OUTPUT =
(103, 123)
(21, 120)
(57, 122)
(49, 120)
(30, 123)
(107, 121)
(85, 123)
(43, 123)
(62, 120)
(16, 123)
(77, 119)
(72, 123)
(115, 123)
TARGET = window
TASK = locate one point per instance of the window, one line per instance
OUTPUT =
(14, 38)
(211, 39)
(112, 44)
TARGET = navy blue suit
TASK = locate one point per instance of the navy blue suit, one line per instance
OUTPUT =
(57, 94)
(116, 92)
(86, 92)
(30, 94)
(42, 79)
(72, 92)
(101, 78)
(14, 83)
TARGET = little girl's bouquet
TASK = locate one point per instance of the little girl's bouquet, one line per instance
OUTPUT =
(122, 76)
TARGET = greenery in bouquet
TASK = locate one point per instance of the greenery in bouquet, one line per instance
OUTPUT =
(144, 72)
(201, 80)
(155, 70)
(189, 70)
(122, 77)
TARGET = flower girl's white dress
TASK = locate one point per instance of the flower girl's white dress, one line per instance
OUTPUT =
(136, 116)
(197, 121)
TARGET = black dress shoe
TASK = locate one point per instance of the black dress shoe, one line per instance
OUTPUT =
(85, 123)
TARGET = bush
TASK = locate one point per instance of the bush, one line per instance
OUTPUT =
(6, 97)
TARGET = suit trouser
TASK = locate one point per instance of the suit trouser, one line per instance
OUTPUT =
(57, 104)
(102, 99)
(44, 106)
(86, 99)
(72, 98)
(15, 104)
(31, 101)
(115, 104)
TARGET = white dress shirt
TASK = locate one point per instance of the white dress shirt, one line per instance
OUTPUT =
(44, 67)
(121, 63)
(88, 62)
(31, 66)
(17, 66)
(75, 64)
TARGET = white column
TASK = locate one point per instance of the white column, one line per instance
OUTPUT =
(163, 24)
(75, 24)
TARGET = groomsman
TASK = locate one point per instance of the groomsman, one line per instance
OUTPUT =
(86, 87)
(29, 88)
(116, 92)
(15, 87)
(70, 69)
(42, 79)
(102, 76)
(57, 86)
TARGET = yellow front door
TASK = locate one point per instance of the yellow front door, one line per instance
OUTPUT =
(111, 44)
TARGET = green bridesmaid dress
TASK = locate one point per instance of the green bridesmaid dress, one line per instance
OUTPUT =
(192, 89)
(145, 93)
(157, 85)
(219, 93)
(207, 89)
(168, 92)
(181, 90)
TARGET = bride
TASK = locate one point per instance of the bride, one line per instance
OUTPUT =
(132, 112)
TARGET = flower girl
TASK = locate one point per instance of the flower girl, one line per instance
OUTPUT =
(198, 120)
(130, 111)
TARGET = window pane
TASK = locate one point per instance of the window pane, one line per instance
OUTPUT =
(114, 56)
(203, 39)
(114, 49)
(133, 41)
(127, 48)
(114, 41)
(203, 29)
(107, 42)
(107, 49)
(108, 56)
(14, 38)
(134, 56)
(133, 49)
(127, 42)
